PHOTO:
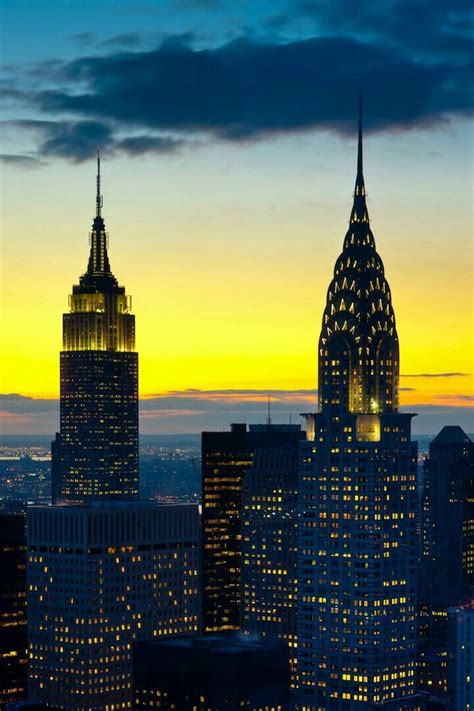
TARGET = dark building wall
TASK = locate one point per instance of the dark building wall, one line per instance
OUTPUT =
(210, 673)
(460, 649)
(13, 630)
(447, 548)
(96, 454)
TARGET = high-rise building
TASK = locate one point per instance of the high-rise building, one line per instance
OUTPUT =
(13, 636)
(211, 673)
(461, 657)
(269, 540)
(447, 551)
(95, 454)
(226, 458)
(357, 497)
(101, 576)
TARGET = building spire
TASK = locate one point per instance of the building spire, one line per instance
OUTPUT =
(99, 201)
(359, 212)
(99, 265)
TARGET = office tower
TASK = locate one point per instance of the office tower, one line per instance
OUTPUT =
(269, 540)
(447, 553)
(226, 457)
(95, 454)
(461, 657)
(211, 673)
(358, 504)
(13, 633)
(101, 576)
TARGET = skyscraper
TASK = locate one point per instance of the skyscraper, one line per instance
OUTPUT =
(104, 569)
(447, 554)
(95, 454)
(357, 496)
(101, 576)
(226, 459)
(13, 637)
(269, 540)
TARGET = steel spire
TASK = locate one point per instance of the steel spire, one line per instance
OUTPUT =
(359, 147)
(99, 201)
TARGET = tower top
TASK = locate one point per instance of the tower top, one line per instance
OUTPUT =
(98, 275)
(358, 335)
(99, 201)
(360, 171)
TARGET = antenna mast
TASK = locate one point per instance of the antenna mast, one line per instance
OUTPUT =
(99, 201)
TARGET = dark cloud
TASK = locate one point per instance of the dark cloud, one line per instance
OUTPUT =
(431, 418)
(195, 410)
(78, 141)
(418, 28)
(234, 392)
(20, 161)
(139, 145)
(14, 403)
(411, 58)
(128, 39)
(245, 90)
(455, 397)
(434, 375)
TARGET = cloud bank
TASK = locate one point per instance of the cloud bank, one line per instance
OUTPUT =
(194, 410)
(412, 59)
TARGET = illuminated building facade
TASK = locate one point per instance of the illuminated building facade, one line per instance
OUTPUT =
(226, 459)
(226, 456)
(357, 497)
(211, 673)
(461, 657)
(269, 540)
(13, 634)
(447, 555)
(95, 454)
(100, 577)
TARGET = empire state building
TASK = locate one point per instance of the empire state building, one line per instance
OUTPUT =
(357, 541)
(95, 454)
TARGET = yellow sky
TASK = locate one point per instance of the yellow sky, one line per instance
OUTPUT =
(228, 255)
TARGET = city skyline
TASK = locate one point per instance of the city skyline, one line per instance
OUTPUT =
(225, 242)
(313, 546)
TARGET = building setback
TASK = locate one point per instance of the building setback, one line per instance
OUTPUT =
(13, 633)
(447, 552)
(95, 453)
(100, 577)
(357, 497)
(226, 459)
(211, 673)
